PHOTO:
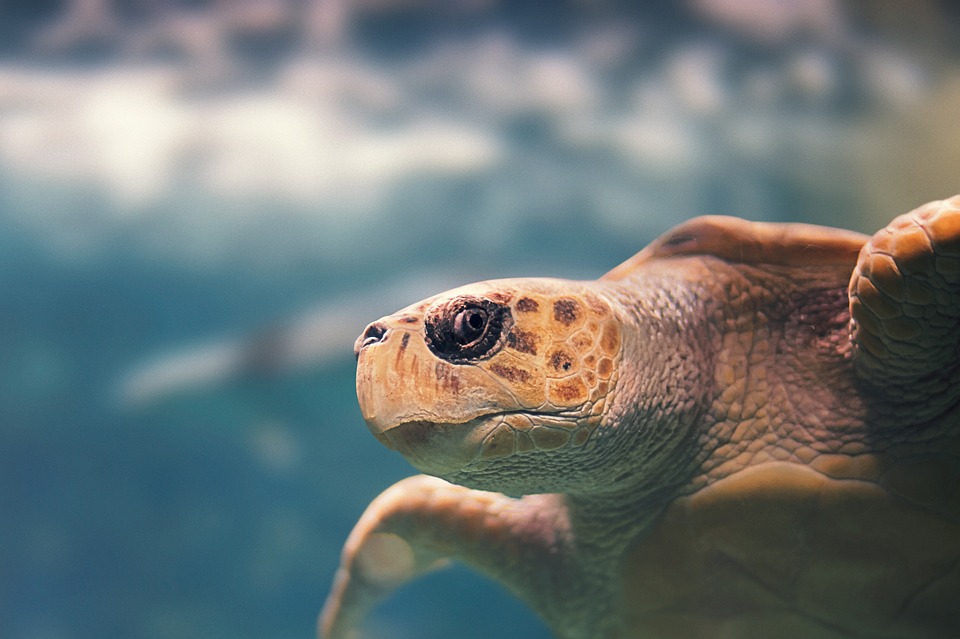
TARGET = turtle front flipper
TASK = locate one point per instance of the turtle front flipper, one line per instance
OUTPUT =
(420, 523)
(905, 309)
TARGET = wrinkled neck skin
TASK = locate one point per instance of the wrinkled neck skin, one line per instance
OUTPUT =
(723, 367)
(662, 396)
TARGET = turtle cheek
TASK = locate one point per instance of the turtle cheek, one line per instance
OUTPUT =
(521, 378)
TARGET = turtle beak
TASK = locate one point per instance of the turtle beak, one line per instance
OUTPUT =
(373, 334)
(394, 376)
(374, 377)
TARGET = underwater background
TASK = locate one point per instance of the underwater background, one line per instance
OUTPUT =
(203, 203)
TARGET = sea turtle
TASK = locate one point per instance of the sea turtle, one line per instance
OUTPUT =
(745, 430)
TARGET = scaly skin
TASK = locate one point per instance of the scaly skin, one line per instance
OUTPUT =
(746, 430)
(905, 307)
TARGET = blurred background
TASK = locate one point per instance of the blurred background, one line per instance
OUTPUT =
(203, 202)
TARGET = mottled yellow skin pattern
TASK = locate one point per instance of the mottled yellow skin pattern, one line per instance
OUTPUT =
(546, 388)
(746, 430)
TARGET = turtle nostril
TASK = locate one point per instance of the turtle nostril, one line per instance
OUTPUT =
(373, 335)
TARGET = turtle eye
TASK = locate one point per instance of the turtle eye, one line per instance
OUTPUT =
(469, 325)
(467, 328)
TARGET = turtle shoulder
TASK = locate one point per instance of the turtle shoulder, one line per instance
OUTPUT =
(781, 549)
(740, 241)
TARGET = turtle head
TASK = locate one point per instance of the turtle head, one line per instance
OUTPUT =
(492, 385)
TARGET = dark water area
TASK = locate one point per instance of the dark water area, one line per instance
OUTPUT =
(201, 207)
(215, 513)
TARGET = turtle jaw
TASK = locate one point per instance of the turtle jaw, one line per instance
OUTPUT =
(441, 449)
(457, 451)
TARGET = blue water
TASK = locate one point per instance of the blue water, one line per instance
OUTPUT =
(219, 513)
(219, 509)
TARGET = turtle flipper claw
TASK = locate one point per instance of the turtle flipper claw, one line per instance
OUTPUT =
(905, 307)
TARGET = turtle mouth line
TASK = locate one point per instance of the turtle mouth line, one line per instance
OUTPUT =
(421, 431)
(428, 442)
(472, 424)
